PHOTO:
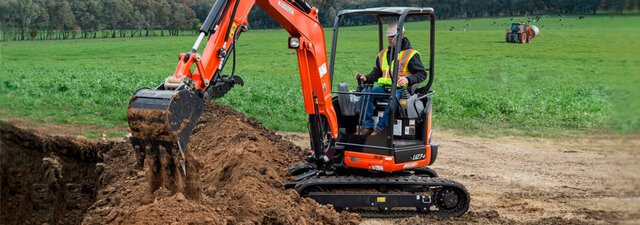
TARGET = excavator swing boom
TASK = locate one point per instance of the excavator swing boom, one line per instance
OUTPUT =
(161, 119)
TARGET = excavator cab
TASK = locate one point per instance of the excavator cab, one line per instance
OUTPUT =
(405, 143)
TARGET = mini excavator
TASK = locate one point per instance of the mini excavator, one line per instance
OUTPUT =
(382, 175)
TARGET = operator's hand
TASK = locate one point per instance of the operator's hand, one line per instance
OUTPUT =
(402, 81)
(363, 78)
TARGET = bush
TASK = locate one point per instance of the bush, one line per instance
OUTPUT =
(33, 34)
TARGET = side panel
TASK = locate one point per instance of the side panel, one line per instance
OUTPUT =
(408, 155)
(382, 163)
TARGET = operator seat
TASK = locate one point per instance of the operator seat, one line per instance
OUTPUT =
(409, 107)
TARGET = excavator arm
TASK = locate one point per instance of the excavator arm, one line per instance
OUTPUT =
(161, 119)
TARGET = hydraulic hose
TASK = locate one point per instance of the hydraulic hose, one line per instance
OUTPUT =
(214, 16)
(233, 15)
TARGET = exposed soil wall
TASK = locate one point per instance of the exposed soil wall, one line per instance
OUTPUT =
(47, 179)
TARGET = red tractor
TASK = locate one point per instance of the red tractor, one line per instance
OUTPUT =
(521, 33)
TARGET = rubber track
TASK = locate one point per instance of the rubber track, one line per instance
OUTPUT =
(391, 214)
(374, 182)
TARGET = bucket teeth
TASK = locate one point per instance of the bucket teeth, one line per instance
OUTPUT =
(162, 121)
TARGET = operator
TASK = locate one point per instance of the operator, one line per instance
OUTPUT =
(412, 72)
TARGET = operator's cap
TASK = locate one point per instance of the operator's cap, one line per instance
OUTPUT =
(392, 29)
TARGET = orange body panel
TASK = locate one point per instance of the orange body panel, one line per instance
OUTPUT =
(382, 162)
(387, 163)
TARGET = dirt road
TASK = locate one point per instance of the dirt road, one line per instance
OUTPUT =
(537, 181)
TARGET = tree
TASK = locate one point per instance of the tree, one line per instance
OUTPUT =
(137, 23)
(329, 16)
(618, 5)
(125, 16)
(42, 22)
(6, 10)
(63, 18)
(82, 18)
(146, 8)
(201, 8)
(117, 16)
(29, 12)
(178, 19)
(586, 5)
(163, 11)
(94, 8)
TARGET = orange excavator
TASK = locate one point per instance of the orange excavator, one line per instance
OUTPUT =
(382, 175)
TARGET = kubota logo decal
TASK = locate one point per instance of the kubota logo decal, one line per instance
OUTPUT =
(285, 7)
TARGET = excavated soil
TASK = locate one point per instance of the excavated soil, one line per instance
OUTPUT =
(236, 170)
(145, 123)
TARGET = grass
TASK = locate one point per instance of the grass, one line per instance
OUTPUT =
(578, 76)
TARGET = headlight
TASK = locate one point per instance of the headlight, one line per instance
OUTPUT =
(294, 42)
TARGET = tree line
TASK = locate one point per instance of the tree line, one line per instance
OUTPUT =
(64, 19)
(70, 19)
(449, 9)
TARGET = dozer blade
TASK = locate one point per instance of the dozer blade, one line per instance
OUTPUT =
(161, 121)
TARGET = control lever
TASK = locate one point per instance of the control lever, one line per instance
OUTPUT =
(360, 84)
(405, 94)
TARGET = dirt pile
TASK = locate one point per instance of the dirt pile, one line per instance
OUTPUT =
(241, 165)
(242, 169)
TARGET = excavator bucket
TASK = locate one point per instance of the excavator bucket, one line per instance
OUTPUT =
(161, 122)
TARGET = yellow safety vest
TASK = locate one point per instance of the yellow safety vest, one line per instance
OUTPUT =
(403, 56)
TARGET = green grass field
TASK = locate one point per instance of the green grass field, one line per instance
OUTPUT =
(577, 76)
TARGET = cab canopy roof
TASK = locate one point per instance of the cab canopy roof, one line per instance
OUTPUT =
(388, 11)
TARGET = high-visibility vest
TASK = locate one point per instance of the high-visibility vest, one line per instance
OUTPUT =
(403, 57)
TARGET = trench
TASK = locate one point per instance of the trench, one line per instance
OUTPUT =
(47, 179)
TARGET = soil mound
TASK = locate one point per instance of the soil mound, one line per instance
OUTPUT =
(237, 168)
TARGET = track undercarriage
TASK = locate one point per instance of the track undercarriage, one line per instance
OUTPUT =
(417, 192)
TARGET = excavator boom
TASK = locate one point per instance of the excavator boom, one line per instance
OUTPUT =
(161, 119)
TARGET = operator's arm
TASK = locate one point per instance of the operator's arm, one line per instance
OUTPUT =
(417, 70)
(375, 73)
